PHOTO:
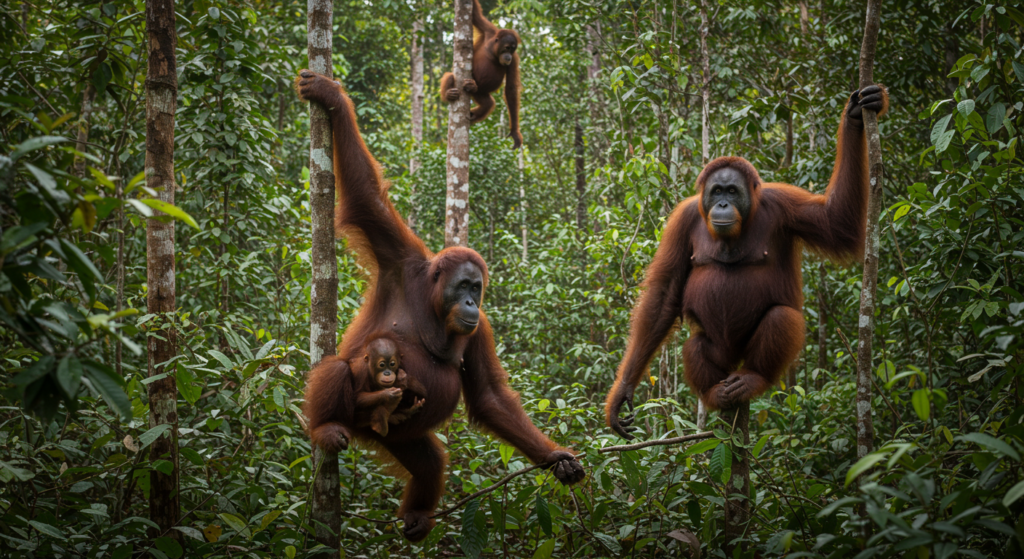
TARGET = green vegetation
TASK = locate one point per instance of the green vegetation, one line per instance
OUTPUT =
(945, 479)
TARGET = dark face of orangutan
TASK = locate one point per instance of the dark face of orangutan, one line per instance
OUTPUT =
(462, 297)
(726, 202)
(506, 48)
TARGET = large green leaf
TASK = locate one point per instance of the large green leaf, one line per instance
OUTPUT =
(991, 443)
(543, 514)
(863, 465)
(721, 463)
(108, 384)
(473, 537)
(171, 210)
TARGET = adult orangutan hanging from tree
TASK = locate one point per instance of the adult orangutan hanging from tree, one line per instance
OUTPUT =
(494, 61)
(429, 304)
(729, 265)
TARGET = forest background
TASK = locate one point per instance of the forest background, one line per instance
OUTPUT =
(611, 118)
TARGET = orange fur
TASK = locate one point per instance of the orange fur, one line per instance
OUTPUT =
(403, 302)
(743, 297)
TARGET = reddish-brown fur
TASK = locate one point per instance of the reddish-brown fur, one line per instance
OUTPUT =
(489, 73)
(742, 297)
(404, 301)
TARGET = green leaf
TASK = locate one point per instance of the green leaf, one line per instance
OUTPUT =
(236, 524)
(265, 349)
(701, 447)
(473, 540)
(992, 443)
(760, 445)
(222, 358)
(108, 384)
(187, 385)
(965, 107)
(165, 467)
(33, 144)
(608, 541)
(47, 529)
(721, 463)
(1015, 493)
(171, 210)
(543, 514)
(506, 452)
(1018, 69)
(268, 518)
(863, 465)
(920, 402)
(944, 139)
(545, 550)
(152, 434)
(192, 456)
(938, 130)
(994, 118)
(87, 272)
(69, 375)
(632, 472)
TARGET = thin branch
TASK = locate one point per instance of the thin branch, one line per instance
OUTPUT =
(487, 490)
(659, 442)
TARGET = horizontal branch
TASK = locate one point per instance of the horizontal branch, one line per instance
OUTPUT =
(659, 442)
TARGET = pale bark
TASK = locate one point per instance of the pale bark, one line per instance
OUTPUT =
(705, 89)
(705, 151)
(326, 505)
(522, 201)
(456, 218)
(869, 283)
(417, 113)
(161, 103)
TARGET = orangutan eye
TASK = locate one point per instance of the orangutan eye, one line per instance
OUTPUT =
(732, 190)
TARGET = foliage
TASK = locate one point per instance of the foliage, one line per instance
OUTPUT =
(944, 481)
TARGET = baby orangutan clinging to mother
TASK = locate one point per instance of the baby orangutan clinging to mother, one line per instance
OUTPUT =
(388, 382)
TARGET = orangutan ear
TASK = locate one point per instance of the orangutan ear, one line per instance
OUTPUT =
(366, 358)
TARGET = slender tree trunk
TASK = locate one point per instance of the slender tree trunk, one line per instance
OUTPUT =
(581, 182)
(705, 94)
(865, 426)
(88, 97)
(326, 505)
(456, 218)
(705, 89)
(119, 350)
(788, 160)
(522, 201)
(417, 113)
(737, 501)
(161, 103)
(803, 17)
(822, 325)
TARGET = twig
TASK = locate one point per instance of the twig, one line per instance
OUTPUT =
(487, 490)
(659, 442)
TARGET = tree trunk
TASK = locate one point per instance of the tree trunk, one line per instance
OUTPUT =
(326, 505)
(822, 326)
(417, 114)
(737, 501)
(456, 219)
(581, 182)
(88, 96)
(865, 427)
(705, 89)
(705, 93)
(788, 160)
(161, 103)
(803, 17)
(522, 201)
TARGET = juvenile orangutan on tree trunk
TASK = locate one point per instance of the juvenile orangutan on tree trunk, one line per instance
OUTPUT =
(729, 265)
(429, 304)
